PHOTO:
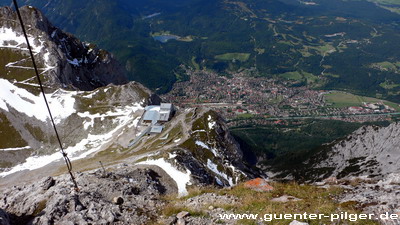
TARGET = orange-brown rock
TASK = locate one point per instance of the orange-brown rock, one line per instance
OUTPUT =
(258, 184)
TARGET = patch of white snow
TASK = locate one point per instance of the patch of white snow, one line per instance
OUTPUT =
(181, 179)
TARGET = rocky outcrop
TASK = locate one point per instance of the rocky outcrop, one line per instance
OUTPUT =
(208, 203)
(122, 194)
(366, 164)
(370, 151)
(125, 196)
(374, 196)
(69, 63)
(210, 155)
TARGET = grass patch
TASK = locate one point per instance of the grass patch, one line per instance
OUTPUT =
(40, 207)
(19, 59)
(10, 137)
(332, 75)
(313, 200)
(386, 66)
(309, 78)
(245, 116)
(243, 57)
(173, 210)
(321, 50)
(389, 85)
(195, 64)
(296, 75)
(344, 100)
(260, 50)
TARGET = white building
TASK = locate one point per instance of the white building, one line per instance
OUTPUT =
(156, 114)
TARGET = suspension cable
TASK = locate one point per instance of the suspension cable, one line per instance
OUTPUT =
(64, 154)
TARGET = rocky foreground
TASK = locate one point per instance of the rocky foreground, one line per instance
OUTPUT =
(125, 194)
(120, 195)
(123, 197)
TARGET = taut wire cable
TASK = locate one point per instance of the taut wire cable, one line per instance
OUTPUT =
(66, 159)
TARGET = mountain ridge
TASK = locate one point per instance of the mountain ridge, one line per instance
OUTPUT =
(67, 62)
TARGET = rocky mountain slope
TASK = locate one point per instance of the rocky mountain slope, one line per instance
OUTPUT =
(366, 164)
(97, 122)
(64, 60)
(68, 68)
(370, 151)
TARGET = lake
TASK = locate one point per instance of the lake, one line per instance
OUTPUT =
(165, 38)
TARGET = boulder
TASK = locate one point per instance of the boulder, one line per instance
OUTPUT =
(258, 184)
(295, 222)
(182, 214)
(286, 198)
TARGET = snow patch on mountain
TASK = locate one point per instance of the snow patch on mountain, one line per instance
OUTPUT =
(61, 102)
(10, 39)
(182, 179)
(202, 144)
(15, 149)
(213, 167)
(211, 123)
(86, 146)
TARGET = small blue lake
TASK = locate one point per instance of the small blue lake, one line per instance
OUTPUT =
(165, 38)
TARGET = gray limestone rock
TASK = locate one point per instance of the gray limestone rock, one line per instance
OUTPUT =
(61, 204)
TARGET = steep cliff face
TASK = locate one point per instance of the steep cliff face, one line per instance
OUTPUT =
(366, 164)
(71, 71)
(64, 61)
(370, 151)
(201, 148)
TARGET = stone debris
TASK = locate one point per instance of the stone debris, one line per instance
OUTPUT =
(286, 198)
(102, 200)
(295, 222)
(205, 204)
(376, 196)
(181, 221)
(209, 200)
(118, 200)
(182, 214)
